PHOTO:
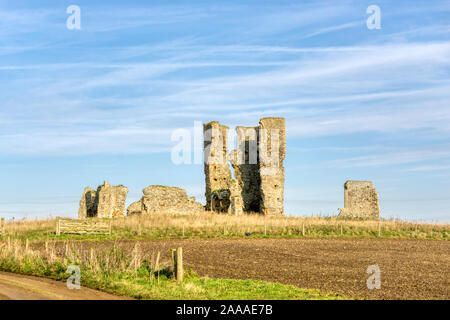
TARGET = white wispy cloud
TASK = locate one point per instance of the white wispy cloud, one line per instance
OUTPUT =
(348, 76)
(394, 158)
(324, 90)
(338, 27)
(429, 168)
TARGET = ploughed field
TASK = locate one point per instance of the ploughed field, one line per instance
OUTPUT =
(410, 269)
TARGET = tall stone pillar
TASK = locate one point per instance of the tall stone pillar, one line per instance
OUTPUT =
(88, 204)
(111, 200)
(272, 150)
(258, 168)
(107, 202)
(217, 170)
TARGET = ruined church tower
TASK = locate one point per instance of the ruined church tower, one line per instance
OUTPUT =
(258, 168)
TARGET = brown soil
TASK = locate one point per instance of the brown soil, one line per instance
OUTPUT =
(410, 269)
(21, 287)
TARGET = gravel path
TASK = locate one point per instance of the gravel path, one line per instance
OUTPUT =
(20, 287)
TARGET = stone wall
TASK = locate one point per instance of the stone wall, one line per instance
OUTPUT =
(107, 202)
(360, 200)
(258, 168)
(161, 199)
(88, 204)
(272, 150)
(246, 168)
(111, 200)
(236, 200)
(217, 170)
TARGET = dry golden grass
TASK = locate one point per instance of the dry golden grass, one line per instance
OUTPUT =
(212, 225)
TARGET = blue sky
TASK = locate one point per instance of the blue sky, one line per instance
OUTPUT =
(82, 106)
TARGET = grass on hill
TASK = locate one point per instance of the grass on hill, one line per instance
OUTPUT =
(211, 225)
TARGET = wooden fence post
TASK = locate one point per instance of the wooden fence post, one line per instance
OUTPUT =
(57, 227)
(2, 226)
(303, 229)
(136, 256)
(174, 261)
(66, 249)
(265, 229)
(156, 268)
(91, 258)
(177, 257)
(379, 229)
(341, 230)
(9, 243)
(26, 245)
(179, 254)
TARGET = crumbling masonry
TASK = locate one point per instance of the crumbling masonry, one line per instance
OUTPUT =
(217, 171)
(257, 187)
(162, 199)
(258, 168)
(360, 200)
(107, 202)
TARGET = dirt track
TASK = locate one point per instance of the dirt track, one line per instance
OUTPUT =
(410, 269)
(20, 287)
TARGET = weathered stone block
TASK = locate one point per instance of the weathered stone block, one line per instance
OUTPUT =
(135, 208)
(107, 202)
(272, 150)
(236, 207)
(360, 200)
(88, 204)
(162, 199)
(111, 200)
(217, 170)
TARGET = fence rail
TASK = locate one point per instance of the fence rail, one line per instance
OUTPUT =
(82, 226)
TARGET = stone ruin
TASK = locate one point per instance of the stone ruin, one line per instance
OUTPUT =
(107, 202)
(360, 200)
(257, 163)
(257, 187)
(164, 200)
